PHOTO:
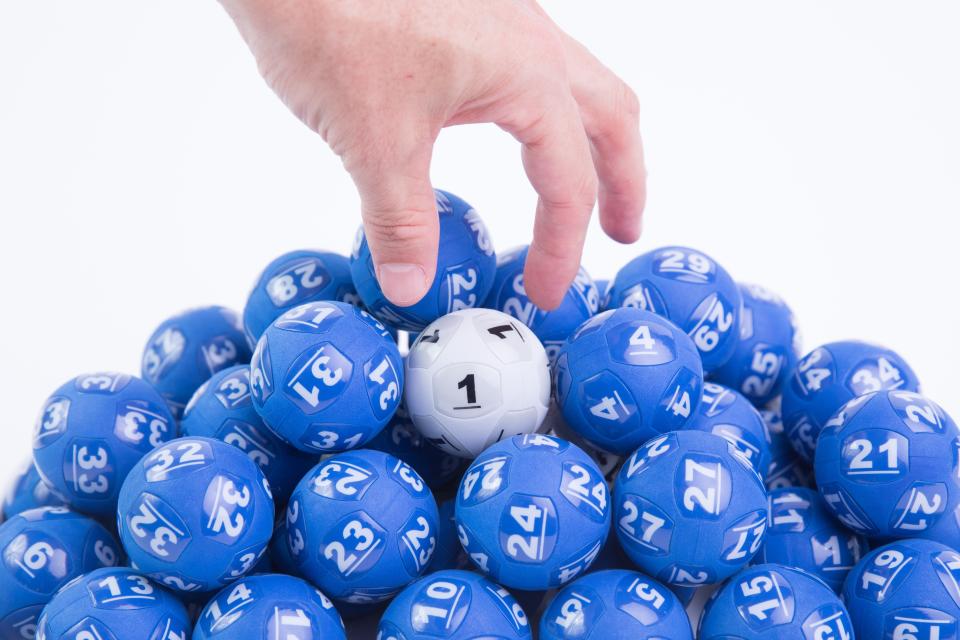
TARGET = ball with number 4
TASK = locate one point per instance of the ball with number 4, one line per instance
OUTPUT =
(886, 464)
(533, 512)
(615, 605)
(42, 550)
(690, 289)
(113, 604)
(775, 602)
(362, 525)
(454, 605)
(326, 376)
(626, 376)
(90, 434)
(689, 509)
(195, 515)
(269, 607)
(476, 377)
(830, 376)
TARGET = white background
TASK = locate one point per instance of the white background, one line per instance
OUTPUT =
(144, 167)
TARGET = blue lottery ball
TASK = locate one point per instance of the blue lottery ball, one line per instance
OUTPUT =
(603, 287)
(615, 605)
(803, 533)
(326, 376)
(689, 509)
(787, 468)
(454, 605)
(269, 607)
(223, 409)
(906, 590)
(29, 491)
(774, 602)
(296, 278)
(626, 376)
(533, 512)
(185, 350)
(466, 266)
(279, 550)
(113, 604)
(767, 350)
(195, 515)
(44, 549)
(725, 413)
(90, 434)
(886, 464)
(362, 525)
(832, 375)
(690, 289)
(552, 327)
(449, 553)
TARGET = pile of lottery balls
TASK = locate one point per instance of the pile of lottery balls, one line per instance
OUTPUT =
(658, 445)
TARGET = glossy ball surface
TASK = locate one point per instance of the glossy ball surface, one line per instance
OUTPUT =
(185, 350)
(692, 290)
(475, 377)
(552, 327)
(905, 590)
(269, 607)
(626, 376)
(92, 431)
(195, 515)
(830, 376)
(326, 376)
(689, 509)
(774, 602)
(114, 604)
(29, 491)
(615, 605)
(886, 464)
(361, 526)
(42, 550)
(767, 350)
(533, 512)
(454, 605)
(725, 413)
(222, 409)
(466, 264)
(296, 278)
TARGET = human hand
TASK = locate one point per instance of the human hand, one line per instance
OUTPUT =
(378, 79)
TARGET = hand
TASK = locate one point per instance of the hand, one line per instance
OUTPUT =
(378, 79)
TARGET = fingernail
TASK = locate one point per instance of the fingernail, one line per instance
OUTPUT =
(403, 284)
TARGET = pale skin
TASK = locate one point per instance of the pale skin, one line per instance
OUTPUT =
(379, 79)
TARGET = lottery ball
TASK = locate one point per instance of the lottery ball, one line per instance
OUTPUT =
(689, 509)
(326, 376)
(195, 515)
(187, 349)
(362, 525)
(692, 290)
(615, 605)
(533, 512)
(90, 434)
(886, 466)
(296, 278)
(29, 491)
(466, 265)
(552, 327)
(767, 350)
(475, 377)
(830, 376)
(269, 607)
(803, 533)
(626, 376)
(787, 468)
(725, 413)
(555, 425)
(603, 287)
(449, 553)
(401, 439)
(44, 549)
(774, 602)
(223, 409)
(906, 590)
(114, 603)
(454, 605)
